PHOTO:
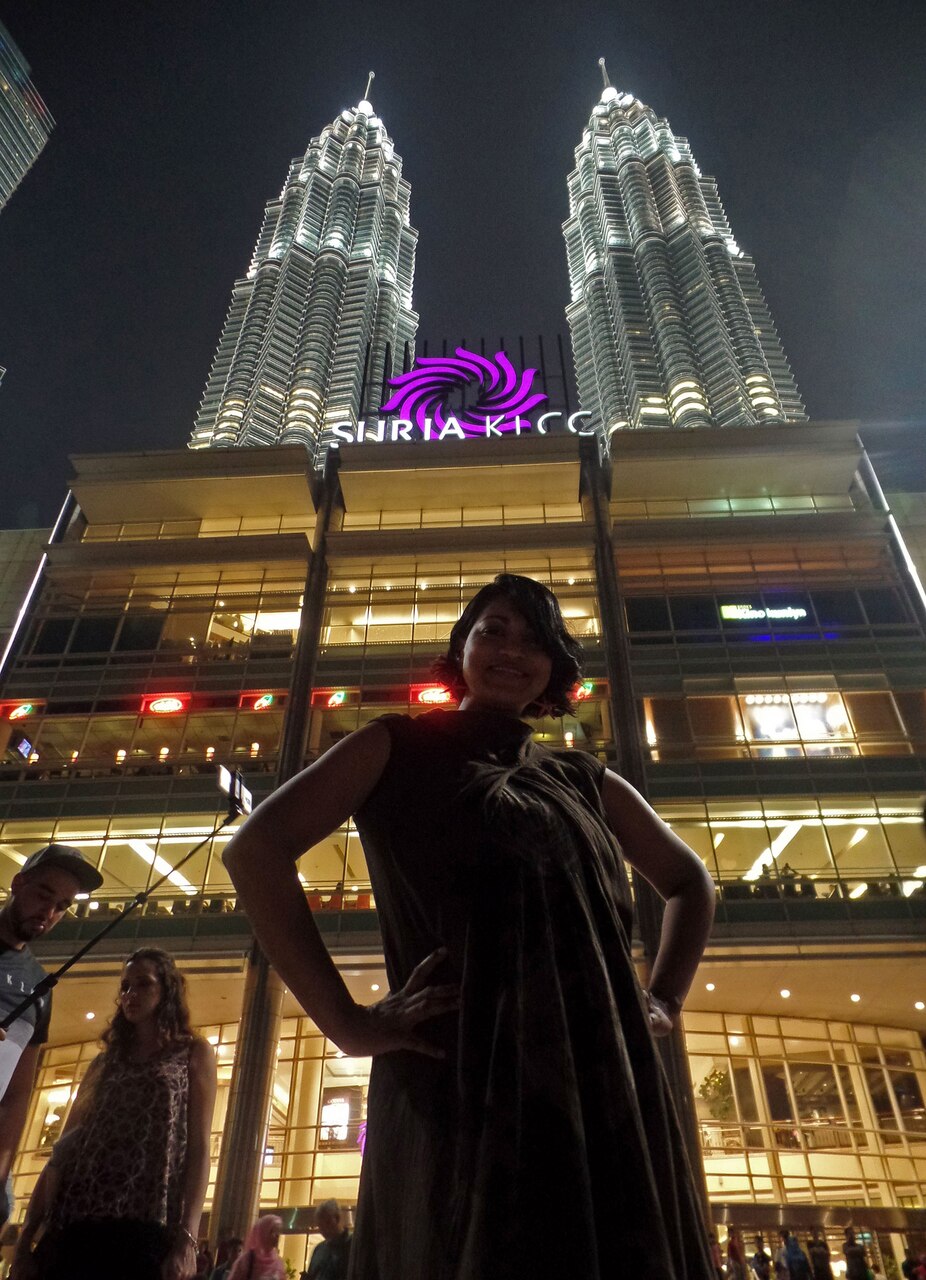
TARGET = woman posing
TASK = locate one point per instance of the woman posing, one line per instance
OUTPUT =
(128, 1189)
(519, 1122)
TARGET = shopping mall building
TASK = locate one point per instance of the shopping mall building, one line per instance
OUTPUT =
(755, 660)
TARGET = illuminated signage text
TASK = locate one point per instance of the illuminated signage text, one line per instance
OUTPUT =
(749, 613)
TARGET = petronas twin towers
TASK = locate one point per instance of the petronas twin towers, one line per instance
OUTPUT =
(669, 327)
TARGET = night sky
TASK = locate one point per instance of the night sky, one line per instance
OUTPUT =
(176, 123)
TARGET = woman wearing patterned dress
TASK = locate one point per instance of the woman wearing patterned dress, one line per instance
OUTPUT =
(519, 1123)
(129, 1188)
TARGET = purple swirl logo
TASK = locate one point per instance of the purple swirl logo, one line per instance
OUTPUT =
(504, 397)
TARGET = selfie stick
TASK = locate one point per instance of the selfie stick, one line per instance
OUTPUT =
(239, 802)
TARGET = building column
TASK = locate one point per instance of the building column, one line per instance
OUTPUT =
(628, 741)
(241, 1159)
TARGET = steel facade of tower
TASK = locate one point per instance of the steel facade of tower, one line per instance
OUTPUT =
(669, 326)
(324, 314)
(25, 121)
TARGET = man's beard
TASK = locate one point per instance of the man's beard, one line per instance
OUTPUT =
(23, 928)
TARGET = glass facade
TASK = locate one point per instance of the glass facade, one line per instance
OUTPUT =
(812, 1111)
(790, 1110)
(779, 684)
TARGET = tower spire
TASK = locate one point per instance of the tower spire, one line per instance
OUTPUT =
(669, 326)
(306, 323)
(370, 78)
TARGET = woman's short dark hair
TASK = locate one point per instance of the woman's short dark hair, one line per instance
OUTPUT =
(540, 609)
(173, 1014)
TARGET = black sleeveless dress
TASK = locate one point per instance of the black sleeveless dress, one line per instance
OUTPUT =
(544, 1146)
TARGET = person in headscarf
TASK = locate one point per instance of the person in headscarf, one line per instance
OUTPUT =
(260, 1259)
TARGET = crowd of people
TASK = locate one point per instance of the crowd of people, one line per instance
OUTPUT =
(511, 1018)
(790, 1260)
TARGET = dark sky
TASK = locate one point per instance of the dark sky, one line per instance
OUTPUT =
(176, 123)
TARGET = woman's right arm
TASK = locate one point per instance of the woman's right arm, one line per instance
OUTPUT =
(261, 860)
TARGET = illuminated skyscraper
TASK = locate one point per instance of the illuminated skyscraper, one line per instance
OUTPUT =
(25, 121)
(324, 313)
(669, 326)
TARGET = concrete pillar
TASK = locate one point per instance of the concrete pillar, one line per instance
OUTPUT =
(243, 1142)
(241, 1160)
(628, 738)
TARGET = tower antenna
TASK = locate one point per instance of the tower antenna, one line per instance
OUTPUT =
(370, 78)
(604, 73)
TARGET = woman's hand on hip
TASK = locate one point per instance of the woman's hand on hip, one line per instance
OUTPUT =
(393, 1022)
(659, 1015)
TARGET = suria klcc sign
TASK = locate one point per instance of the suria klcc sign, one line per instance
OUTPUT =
(504, 404)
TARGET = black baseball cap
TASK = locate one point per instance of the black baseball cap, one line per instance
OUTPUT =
(68, 859)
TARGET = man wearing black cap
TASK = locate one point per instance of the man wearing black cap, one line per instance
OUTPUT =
(39, 896)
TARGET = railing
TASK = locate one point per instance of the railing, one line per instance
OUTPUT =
(833, 1134)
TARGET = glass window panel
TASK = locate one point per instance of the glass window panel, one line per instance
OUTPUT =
(906, 842)
(809, 1050)
(820, 716)
(803, 849)
(107, 735)
(323, 866)
(185, 632)
(669, 718)
(769, 1047)
(874, 714)
(912, 706)
(715, 719)
(815, 1091)
(767, 1026)
(140, 631)
(776, 1090)
(857, 844)
(849, 1095)
(157, 741)
(741, 846)
(208, 737)
(909, 1100)
(647, 613)
(880, 1098)
(53, 635)
(768, 717)
(883, 604)
(694, 613)
(256, 739)
(706, 1042)
(838, 608)
(94, 634)
(745, 1094)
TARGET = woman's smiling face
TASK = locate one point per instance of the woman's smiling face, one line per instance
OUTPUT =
(504, 665)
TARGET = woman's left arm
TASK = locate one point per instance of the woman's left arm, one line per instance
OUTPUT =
(200, 1106)
(679, 877)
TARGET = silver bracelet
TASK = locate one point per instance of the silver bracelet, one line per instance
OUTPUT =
(189, 1235)
(671, 1004)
